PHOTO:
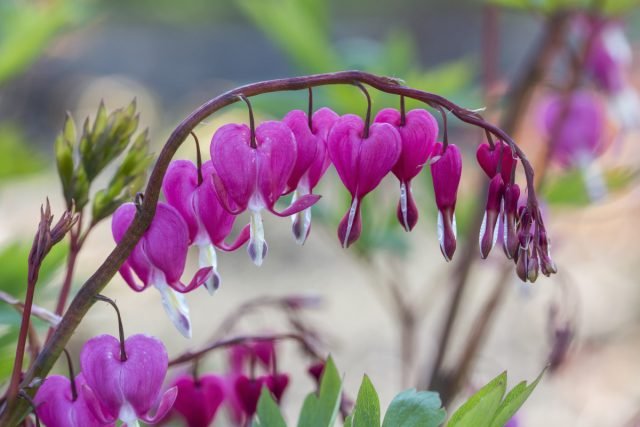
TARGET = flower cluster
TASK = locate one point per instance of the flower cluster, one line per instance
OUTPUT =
(252, 168)
(522, 232)
(119, 381)
(201, 396)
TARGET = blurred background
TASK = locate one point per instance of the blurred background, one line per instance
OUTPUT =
(382, 303)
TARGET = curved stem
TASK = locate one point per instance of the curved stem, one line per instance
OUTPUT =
(367, 120)
(252, 121)
(123, 353)
(85, 297)
(403, 114)
(198, 157)
(310, 110)
(72, 376)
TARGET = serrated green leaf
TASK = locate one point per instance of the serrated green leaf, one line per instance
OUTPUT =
(514, 400)
(413, 408)
(479, 409)
(268, 413)
(321, 410)
(367, 410)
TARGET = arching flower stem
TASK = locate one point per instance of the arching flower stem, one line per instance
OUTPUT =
(123, 353)
(16, 410)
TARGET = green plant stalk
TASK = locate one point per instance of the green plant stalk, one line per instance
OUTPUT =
(15, 409)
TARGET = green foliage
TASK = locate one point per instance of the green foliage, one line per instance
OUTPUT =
(413, 408)
(268, 413)
(13, 280)
(612, 7)
(16, 159)
(108, 138)
(321, 409)
(367, 410)
(26, 28)
(487, 408)
(569, 188)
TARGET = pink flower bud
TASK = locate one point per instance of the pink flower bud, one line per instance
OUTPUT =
(499, 158)
(446, 170)
(488, 230)
(198, 400)
(510, 242)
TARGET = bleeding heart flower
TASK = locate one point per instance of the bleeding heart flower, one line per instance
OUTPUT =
(576, 125)
(510, 242)
(498, 158)
(361, 161)
(278, 383)
(446, 170)
(57, 407)
(198, 400)
(126, 390)
(488, 230)
(248, 392)
(610, 55)
(254, 177)
(159, 259)
(418, 133)
(209, 224)
(312, 160)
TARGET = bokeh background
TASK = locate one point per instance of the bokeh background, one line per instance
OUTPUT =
(64, 55)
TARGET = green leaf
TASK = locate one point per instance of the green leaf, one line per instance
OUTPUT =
(367, 410)
(513, 401)
(348, 422)
(14, 266)
(413, 408)
(268, 414)
(17, 158)
(321, 410)
(480, 409)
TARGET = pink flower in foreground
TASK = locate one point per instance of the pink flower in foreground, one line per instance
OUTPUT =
(198, 400)
(362, 162)
(254, 178)
(488, 230)
(500, 158)
(446, 170)
(57, 407)
(208, 223)
(312, 160)
(129, 389)
(159, 259)
(418, 134)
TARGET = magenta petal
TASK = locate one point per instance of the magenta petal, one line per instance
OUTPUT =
(198, 402)
(307, 145)
(300, 204)
(447, 233)
(199, 279)
(277, 383)
(407, 211)
(350, 227)
(95, 407)
(322, 123)
(488, 231)
(418, 135)
(248, 392)
(135, 382)
(216, 221)
(344, 144)
(234, 162)
(241, 239)
(446, 171)
(56, 408)
(166, 402)
(178, 186)
(166, 242)
(127, 274)
(275, 157)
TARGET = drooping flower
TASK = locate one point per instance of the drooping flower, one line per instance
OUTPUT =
(576, 125)
(129, 389)
(159, 259)
(199, 399)
(499, 158)
(57, 407)
(418, 134)
(208, 223)
(253, 173)
(510, 242)
(248, 390)
(362, 161)
(446, 170)
(609, 55)
(312, 160)
(488, 229)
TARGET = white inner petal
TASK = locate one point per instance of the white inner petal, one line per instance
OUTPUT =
(257, 248)
(483, 230)
(207, 258)
(175, 305)
(403, 204)
(128, 415)
(352, 215)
